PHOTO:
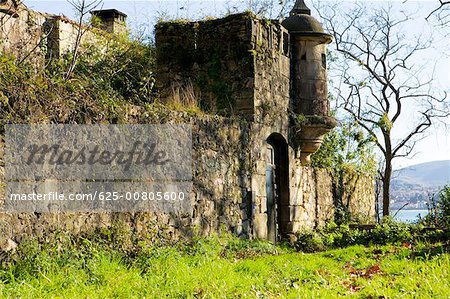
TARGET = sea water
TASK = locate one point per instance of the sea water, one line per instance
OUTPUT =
(408, 215)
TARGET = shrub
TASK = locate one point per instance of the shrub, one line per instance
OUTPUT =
(345, 236)
(310, 242)
(444, 207)
(124, 66)
(388, 232)
(439, 210)
(391, 232)
(110, 78)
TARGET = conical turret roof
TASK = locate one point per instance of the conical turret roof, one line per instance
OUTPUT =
(300, 8)
(300, 22)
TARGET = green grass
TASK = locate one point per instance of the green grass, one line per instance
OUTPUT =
(224, 268)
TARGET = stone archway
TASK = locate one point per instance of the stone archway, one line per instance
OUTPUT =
(277, 187)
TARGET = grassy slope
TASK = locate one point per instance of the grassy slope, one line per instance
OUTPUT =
(211, 270)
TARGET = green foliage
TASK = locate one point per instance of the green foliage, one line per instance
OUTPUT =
(240, 248)
(300, 120)
(221, 267)
(346, 148)
(95, 21)
(109, 79)
(253, 52)
(224, 101)
(124, 66)
(385, 123)
(444, 207)
(391, 232)
(388, 232)
(439, 210)
(309, 241)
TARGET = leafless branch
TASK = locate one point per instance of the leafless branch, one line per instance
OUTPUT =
(441, 6)
(379, 68)
(82, 8)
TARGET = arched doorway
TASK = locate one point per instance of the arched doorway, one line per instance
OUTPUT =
(277, 187)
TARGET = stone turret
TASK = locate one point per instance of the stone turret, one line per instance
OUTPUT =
(309, 88)
(112, 20)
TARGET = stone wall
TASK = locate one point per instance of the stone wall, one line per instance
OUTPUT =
(62, 34)
(236, 65)
(214, 57)
(313, 203)
(357, 192)
(21, 31)
(222, 176)
(26, 33)
(272, 71)
(228, 194)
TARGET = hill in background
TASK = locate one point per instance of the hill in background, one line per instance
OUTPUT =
(431, 174)
(417, 183)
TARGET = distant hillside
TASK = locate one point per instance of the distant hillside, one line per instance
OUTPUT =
(431, 174)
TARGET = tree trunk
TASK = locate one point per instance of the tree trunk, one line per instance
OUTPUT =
(387, 186)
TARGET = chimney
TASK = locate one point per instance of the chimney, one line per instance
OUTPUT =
(112, 20)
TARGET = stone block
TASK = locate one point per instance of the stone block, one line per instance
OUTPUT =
(259, 184)
(260, 226)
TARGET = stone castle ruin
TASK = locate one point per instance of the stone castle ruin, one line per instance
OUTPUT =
(268, 81)
(24, 31)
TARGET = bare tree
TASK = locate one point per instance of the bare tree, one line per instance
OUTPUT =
(82, 8)
(274, 9)
(382, 83)
(441, 12)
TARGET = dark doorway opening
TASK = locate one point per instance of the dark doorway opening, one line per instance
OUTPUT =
(277, 187)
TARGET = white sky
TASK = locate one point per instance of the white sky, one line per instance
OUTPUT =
(145, 14)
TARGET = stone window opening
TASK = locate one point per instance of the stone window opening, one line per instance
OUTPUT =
(324, 61)
(286, 44)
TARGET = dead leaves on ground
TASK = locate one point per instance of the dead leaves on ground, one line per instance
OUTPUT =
(368, 273)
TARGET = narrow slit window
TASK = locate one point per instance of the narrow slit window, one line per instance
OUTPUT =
(286, 44)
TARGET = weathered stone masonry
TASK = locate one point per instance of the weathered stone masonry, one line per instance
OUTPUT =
(26, 33)
(269, 74)
(229, 193)
(250, 164)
